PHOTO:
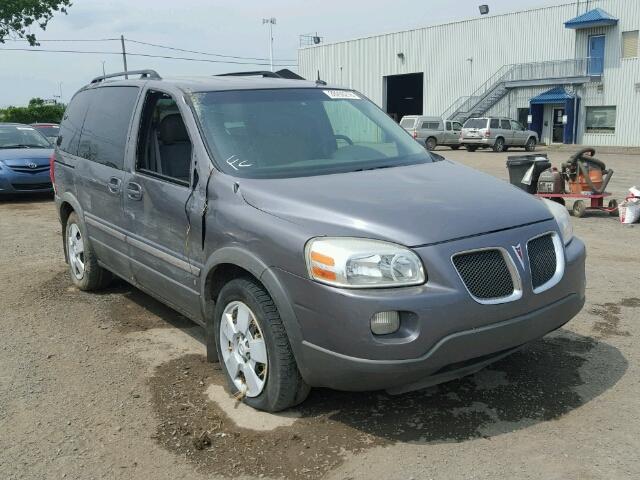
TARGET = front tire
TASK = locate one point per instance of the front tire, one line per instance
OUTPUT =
(254, 349)
(86, 273)
(431, 143)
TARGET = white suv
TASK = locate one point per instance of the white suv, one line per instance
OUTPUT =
(496, 133)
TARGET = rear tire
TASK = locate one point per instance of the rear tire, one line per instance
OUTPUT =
(431, 143)
(86, 273)
(471, 148)
(530, 146)
(283, 386)
(498, 146)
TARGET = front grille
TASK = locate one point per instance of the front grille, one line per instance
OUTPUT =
(44, 168)
(32, 186)
(542, 259)
(485, 274)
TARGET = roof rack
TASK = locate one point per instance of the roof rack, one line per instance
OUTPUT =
(257, 73)
(152, 74)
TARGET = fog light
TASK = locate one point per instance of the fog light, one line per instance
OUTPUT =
(384, 323)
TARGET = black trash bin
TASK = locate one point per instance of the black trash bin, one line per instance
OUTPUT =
(519, 165)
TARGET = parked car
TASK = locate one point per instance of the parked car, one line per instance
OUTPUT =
(498, 134)
(316, 242)
(24, 160)
(49, 130)
(433, 131)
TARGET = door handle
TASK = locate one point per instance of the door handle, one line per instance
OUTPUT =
(134, 191)
(114, 184)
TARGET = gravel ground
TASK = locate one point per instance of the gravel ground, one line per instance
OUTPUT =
(114, 385)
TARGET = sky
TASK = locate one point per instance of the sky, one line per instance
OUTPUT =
(223, 27)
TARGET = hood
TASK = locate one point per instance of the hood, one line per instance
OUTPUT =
(413, 205)
(18, 157)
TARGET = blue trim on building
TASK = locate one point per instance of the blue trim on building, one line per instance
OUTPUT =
(593, 18)
(555, 95)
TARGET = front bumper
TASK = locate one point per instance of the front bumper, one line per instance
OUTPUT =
(14, 183)
(444, 332)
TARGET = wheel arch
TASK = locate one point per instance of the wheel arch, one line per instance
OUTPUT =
(67, 204)
(228, 263)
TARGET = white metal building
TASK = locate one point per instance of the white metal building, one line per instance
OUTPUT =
(572, 70)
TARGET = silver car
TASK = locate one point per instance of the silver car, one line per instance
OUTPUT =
(433, 131)
(498, 134)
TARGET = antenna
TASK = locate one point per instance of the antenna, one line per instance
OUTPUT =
(320, 82)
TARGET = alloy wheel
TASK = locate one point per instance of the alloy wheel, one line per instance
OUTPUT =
(244, 351)
(75, 251)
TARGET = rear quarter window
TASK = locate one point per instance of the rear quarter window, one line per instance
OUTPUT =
(495, 123)
(106, 125)
(430, 126)
(72, 121)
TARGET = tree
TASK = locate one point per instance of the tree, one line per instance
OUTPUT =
(37, 111)
(18, 16)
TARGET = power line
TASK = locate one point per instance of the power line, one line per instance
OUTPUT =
(190, 59)
(207, 53)
(237, 57)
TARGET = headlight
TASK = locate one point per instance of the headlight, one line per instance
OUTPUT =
(563, 219)
(362, 263)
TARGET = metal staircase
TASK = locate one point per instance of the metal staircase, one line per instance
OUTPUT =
(517, 75)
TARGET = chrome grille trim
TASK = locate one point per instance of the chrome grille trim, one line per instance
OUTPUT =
(560, 261)
(511, 266)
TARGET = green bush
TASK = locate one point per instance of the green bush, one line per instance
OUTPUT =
(36, 111)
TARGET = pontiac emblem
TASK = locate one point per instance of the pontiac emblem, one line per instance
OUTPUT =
(518, 249)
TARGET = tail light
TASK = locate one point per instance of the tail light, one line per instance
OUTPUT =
(487, 133)
(414, 134)
(52, 171)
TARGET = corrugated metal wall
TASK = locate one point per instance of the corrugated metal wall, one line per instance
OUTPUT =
(442, 52)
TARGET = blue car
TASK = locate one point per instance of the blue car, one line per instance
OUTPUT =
(24, 160)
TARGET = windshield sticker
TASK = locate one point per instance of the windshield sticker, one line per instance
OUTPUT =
(341, 94)
(236, 163)
(25, 128)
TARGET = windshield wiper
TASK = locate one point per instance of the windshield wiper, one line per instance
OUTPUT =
(373, 168)
(22, 145)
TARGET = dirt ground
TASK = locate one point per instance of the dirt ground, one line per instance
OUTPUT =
(114, 385)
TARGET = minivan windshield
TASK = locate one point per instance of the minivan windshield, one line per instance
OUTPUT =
(281, 133)
(476, 123)
(21, 136)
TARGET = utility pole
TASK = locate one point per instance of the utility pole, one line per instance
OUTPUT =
(271, 21)
(124, 56)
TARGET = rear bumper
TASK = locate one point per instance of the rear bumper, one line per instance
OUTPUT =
(456, 355)
(477, 141)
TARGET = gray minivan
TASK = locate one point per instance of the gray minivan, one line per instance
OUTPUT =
(316, 242)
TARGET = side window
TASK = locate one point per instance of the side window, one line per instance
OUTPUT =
(516, 126)
(448, 126)
(505, 124)
(72, 121)
(495, 123)
(105, 129)
(430, 126)
(164, 147)
(457, 126)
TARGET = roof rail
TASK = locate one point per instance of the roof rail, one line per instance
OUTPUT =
(143, 74)
(257, 73)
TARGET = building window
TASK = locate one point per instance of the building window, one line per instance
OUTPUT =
(601, 120)
(630, 44)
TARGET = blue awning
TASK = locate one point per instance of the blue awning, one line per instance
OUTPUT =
(555, 95)
(593, 18)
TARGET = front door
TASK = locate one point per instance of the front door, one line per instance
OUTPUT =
(558, 125)
(157, 194)
(596, 55)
